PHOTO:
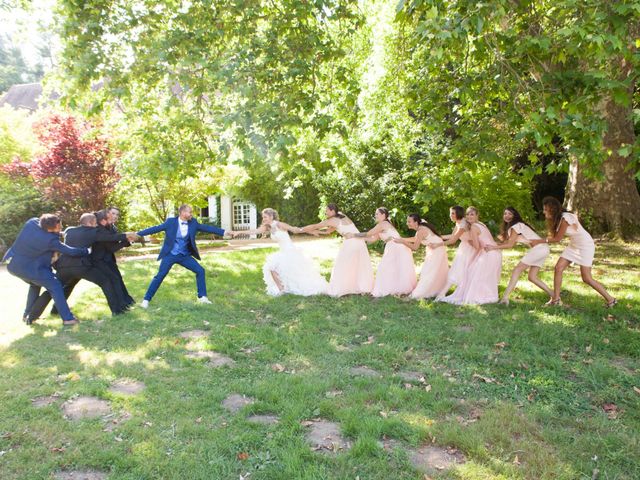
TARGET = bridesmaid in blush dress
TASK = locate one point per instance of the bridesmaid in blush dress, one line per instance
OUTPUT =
(464, 253)
(396, 273)
(352, 272)
(515, 230)
(580, 250)
(435, 268)
(480, 284)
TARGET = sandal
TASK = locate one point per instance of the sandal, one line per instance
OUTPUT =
(612, 303)
(552, 303)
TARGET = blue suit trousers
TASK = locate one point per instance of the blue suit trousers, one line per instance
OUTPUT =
(188, 262)
(51, 283)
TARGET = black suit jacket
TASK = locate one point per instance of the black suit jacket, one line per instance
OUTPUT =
(103, 250)
(83, 236)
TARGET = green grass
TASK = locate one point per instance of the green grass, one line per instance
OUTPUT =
(543, 402)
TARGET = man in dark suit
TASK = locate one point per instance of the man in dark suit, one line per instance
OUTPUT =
(31, 256)
(113, 214)
(104, 252)
(179, 247)
(70, 270)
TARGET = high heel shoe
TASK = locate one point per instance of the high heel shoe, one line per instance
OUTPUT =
(612, 303)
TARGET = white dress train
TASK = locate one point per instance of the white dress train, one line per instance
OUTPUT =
(298, 274)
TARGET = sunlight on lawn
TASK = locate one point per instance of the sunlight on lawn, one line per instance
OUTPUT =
(95, 358)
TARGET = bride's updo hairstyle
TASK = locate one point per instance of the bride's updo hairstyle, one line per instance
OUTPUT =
(271, 212)
(334, 208)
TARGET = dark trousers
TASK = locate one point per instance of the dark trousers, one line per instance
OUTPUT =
(113, 267)
(188, 262)
(70, 276)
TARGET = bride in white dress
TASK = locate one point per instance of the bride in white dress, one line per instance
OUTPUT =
(287, 270)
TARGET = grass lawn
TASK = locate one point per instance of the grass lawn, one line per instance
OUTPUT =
(522, 392)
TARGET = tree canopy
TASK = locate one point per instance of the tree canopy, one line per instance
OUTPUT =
(415, 104)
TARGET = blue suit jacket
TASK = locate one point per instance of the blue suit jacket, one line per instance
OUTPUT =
(31, 253)
(170, 227)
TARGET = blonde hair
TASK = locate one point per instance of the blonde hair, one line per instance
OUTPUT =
(271, 212)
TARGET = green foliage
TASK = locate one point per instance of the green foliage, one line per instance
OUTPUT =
(19, 201)
(537, 69)
(17, 139)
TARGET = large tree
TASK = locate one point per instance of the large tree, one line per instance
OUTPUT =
(200, 82)
(543, 74)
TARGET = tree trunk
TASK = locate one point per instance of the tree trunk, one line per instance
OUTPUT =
(611, 204)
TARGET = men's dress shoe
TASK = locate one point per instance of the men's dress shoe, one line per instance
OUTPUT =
(204, 300)
(28, 320)
(144, 304)
(73, 321)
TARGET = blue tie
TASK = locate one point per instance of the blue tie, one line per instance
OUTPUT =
(184, 223)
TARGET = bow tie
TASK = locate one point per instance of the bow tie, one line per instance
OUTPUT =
(184, 223)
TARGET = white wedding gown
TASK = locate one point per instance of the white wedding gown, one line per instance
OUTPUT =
(297, 273)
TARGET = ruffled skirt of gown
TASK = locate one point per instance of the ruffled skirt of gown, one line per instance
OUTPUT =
(298, 274)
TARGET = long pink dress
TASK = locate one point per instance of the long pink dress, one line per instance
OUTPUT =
(352, 271)
(581, 248)
(480, 285)
(435, 269)
(396, 273)
(464, 255)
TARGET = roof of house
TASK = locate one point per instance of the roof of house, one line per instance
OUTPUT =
(26, 95)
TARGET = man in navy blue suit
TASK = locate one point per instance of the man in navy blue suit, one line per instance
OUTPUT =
(179, 247)
(31, 256)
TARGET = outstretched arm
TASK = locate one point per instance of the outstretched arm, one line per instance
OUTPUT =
(324, 231)
(413, 242)
(374, 232)
(255, 231)
(57, 246)
(289, 228)
(328, 223)
(555, 238)
(454, 237)
(210, 229)
(151, 230)
(511, 241)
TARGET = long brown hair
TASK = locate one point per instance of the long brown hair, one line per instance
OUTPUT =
(517, 218)
(555, 206)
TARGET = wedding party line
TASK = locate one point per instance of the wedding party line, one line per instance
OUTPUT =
(87, 252)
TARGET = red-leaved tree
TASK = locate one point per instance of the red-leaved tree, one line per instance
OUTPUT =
(76, 172)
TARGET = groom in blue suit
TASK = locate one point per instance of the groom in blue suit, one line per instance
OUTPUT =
(179, 247)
